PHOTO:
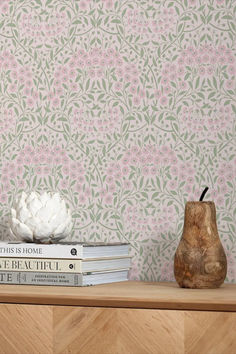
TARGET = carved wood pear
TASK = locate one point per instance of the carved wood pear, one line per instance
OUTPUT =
(200, 260)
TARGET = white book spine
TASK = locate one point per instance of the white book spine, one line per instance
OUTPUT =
(63, 265)
(40, 265)
(62, 279)
(40, 278)
(41, 250)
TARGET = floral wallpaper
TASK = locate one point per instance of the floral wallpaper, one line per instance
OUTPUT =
(128, 109)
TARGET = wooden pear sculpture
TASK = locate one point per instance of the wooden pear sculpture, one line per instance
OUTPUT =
(200, 260)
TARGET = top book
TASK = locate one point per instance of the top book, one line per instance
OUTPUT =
(69, 250)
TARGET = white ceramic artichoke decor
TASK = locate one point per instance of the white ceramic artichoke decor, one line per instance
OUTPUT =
(40, 218)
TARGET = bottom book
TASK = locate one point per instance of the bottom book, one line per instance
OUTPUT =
(63, 279)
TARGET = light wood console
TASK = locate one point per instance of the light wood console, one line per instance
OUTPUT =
(119, 318)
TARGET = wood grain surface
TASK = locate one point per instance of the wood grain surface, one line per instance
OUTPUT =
(200, 260)
(130, 294)
(209, 332)
(118, 331)
(26, 329)
(42, 329)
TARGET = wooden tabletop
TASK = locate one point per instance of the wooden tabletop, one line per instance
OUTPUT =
(165, 295)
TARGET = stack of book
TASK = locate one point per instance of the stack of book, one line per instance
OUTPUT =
(64, 263)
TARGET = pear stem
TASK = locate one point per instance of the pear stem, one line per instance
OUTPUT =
(203, 194)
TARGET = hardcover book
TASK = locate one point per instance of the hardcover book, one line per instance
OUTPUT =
(63, 279)
(63, 265)
(67, 250)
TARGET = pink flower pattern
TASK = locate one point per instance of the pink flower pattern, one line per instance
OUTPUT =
(128, 110)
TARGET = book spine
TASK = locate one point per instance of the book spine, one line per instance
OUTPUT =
(40, 278)
(40, 265)
(28, 250)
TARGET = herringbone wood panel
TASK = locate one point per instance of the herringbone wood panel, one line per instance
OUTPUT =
(42, 329)
(210, 332)
(118, 331)
(25, 329)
